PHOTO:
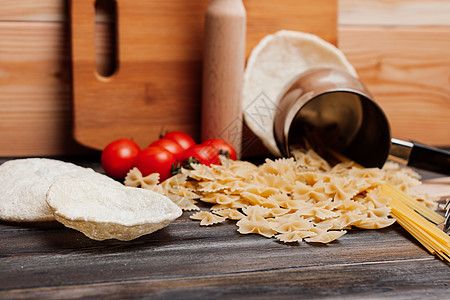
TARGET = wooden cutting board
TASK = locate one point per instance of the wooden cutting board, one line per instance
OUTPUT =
(157, 80)
(437, 187)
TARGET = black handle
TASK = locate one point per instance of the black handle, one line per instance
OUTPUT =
(429, 158)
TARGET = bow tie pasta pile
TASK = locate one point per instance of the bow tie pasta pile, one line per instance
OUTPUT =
(291, 199)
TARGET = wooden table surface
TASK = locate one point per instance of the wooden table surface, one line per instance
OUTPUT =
(187, 261)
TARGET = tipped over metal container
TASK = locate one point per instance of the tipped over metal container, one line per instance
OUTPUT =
(330, 111)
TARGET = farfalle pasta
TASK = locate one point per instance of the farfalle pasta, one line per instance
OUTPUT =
(296, 199)
(229, 213)
(324, 235)
(134, 178)
(255, 221)
(206, 218)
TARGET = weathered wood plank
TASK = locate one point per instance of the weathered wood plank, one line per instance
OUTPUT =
(52, 257)
(359, 281)
(407, 71)
(52, 236)
(211, 276)
(185, 260)
(394, 12)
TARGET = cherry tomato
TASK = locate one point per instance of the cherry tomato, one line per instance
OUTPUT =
(205, 154)
(119, 157)
(222, 147)
(183, 139)
(171, 146)
(155, 159)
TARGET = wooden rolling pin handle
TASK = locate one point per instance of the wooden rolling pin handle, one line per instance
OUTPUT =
(223, 69)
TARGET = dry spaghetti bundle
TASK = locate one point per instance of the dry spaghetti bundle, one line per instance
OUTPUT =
(419, 221)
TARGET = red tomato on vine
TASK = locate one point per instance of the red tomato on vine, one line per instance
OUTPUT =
(119, 157)
(222, 147)
(202, 154)
(155, 159)
(171, 146)
(181, 138)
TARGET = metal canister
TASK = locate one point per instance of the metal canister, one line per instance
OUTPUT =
(331, 111)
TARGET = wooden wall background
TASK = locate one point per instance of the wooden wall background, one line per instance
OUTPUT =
(400, 49)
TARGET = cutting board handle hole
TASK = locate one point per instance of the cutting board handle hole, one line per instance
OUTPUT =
(106, 50)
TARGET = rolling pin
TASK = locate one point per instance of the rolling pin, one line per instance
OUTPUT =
(223, 70)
